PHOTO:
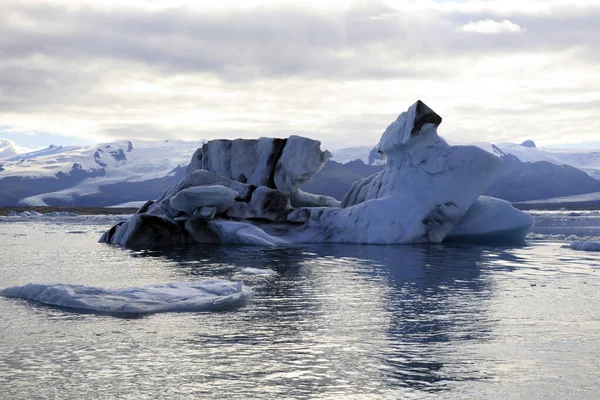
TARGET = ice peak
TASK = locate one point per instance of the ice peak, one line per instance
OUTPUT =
(415, 127)
(529, 143)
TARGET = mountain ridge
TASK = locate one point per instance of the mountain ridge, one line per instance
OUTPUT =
(118, 172)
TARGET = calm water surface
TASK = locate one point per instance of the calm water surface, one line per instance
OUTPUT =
(335, 322)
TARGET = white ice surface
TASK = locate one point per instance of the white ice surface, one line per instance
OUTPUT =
(130, 204)
(490, 217)
(234, 232)
(300, 160)
(424, 190)
(205, 295)
(587, 245)
(236, 158)
(303, 199)
(257, 271)
(188, 200)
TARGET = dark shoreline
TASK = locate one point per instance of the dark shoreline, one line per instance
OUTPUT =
(77, 210)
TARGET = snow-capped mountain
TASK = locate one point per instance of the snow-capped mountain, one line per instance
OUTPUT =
(92, 175)
(120, 172)
(367, 155)
(9, 149)
(587, 160)
(528, 173)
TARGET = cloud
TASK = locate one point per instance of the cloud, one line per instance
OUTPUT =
(491, 26)
(9, 149)
(184, 69)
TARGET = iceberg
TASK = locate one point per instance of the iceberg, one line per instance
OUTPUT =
(257, 271)
(248, 192)
(205, 295)
(584, 245)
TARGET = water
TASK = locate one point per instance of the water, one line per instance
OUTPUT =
(334, 322)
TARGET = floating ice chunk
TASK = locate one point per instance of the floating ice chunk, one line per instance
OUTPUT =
(573, 237)
(188, 200)
(35, 214)
(541, 236)
(588, 245)
(257, 271)
(205, 295)
(25, 214)
(53, 214)
(490, 218)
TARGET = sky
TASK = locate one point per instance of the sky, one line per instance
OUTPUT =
(82, 72)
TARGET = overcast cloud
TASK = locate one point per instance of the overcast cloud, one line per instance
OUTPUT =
(495, 70)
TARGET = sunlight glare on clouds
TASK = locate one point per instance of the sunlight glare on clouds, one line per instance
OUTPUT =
(490, 26)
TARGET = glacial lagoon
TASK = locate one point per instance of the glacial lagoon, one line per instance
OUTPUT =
(332, 321)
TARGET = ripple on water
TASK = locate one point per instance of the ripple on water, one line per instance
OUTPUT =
(333, 321)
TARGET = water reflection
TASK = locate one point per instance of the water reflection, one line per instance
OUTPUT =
(335, 321)
(397, 315)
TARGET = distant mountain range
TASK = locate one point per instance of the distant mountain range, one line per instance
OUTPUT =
(527, 173)
(113, 173)
(100, 175)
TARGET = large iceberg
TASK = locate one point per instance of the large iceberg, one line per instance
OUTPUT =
(205, 295)
(248, 192)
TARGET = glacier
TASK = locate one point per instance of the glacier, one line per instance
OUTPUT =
(249, 192)
(203, 295)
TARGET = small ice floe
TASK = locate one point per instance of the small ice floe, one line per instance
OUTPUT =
(204, 295)
(54, 214)
(35, 214)
(25, 214)
(257, 271)
(585, 245)
(573, 237)
(541, 236)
